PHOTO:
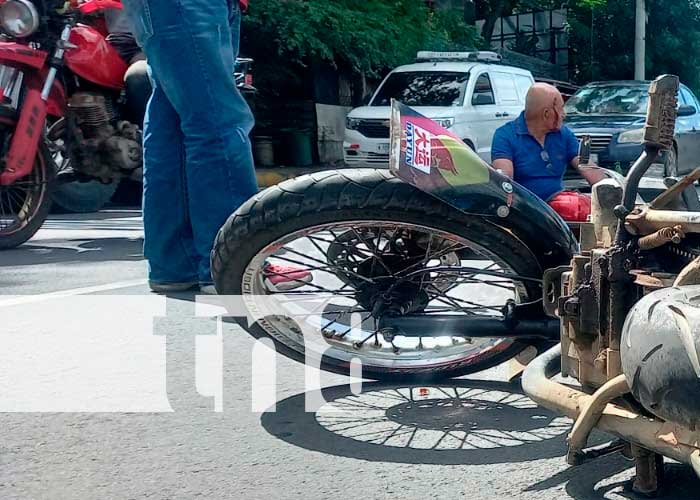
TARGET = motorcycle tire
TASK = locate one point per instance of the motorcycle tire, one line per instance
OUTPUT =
(352, 195)
(36, 205)
(83, 197)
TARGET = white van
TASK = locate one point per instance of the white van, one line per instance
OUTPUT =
(469, 93)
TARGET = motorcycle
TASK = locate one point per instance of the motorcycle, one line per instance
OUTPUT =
(444, 266)
(62, 86)
(430, 270)
(68, 123)
(628, 312)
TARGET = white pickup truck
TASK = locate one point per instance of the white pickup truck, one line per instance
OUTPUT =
(469, 93)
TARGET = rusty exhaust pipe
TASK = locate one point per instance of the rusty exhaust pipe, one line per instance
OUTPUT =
(672, 440)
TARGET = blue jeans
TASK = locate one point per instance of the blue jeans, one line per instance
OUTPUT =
(198, 166)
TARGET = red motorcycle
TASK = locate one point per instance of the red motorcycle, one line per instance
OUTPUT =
(62, 109)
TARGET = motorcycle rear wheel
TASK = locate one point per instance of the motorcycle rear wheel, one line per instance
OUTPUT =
(354, 202)
(25, 204)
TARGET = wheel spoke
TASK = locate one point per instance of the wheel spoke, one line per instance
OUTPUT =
(339, 292)
(424, 261)
(378, 257)
(16, 198)
(463, 301)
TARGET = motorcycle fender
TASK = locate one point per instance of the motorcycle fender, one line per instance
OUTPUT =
(20, 55)
(30, 127)
(436, 161)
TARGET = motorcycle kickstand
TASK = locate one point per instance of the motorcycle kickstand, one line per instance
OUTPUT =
(649, 472)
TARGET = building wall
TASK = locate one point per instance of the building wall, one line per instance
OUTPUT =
(547, 26)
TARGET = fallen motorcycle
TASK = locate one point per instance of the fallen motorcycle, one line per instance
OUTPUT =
(630, 321)
(448, 267)
(432, 270)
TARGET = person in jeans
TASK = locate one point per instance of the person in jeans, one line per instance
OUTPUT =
(198, 165)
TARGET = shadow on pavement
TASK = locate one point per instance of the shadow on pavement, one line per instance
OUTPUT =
(460, 422)
(74, 250)
(595, 481)
(592, 481)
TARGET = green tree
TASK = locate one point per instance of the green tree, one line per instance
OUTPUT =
(601, 36)
(366, 36)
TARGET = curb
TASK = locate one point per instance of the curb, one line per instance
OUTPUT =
(269, 176)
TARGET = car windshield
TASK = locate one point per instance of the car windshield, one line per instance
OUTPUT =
(423, 88)
(609, 99)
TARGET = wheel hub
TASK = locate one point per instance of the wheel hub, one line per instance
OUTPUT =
(371, 263)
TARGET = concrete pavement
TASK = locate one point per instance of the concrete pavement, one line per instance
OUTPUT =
(68, 299)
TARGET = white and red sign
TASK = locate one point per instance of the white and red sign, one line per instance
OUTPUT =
(418, 148)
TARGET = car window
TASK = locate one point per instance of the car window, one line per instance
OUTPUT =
(688, 99)
(505, 87)
(523, 83)
(682, 98)
(483, 91)
(423, 88)
(609, 99)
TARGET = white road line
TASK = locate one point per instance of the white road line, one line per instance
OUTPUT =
(29, 299)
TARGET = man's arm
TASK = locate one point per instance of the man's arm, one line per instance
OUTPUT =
(502, 152)
(592, 173)
(504, 166)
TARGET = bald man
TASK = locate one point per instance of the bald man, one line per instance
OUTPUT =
(536, 148)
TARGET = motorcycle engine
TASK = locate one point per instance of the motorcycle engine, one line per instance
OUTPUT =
(104, 149)
(605, 282)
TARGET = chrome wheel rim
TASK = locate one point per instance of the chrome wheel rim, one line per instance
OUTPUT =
(328, 312)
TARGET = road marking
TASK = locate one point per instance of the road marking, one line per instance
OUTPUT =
(29, 299)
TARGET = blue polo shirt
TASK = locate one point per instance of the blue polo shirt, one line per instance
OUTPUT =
(539, 169)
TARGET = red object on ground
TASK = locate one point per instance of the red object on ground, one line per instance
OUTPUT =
(244, 5)
(284, 278)
(572, 206)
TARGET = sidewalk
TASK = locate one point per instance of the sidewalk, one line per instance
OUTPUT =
(269, 176)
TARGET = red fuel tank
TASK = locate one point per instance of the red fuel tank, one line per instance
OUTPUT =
(95, 59)
(572, 206)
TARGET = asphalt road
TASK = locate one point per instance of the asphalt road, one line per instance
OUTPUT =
(102, 398)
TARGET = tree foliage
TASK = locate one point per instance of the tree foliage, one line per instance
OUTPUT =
(602, 40)
(367, 36)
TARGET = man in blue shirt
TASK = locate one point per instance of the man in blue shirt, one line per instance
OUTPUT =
(536, 148)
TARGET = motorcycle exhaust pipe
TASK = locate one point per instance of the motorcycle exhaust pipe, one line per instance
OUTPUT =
(665, 438)
(659, 131)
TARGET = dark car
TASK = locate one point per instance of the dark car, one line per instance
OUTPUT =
(613, 115)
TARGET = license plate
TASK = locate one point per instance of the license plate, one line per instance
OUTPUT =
(383, 148)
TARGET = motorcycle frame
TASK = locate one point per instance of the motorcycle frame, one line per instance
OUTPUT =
(43, 95)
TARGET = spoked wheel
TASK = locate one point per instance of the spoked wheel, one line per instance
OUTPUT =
(25, 204)
(392, 251)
